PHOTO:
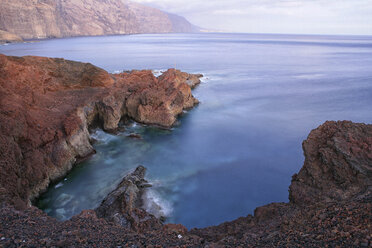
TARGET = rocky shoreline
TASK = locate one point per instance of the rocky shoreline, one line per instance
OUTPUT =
(46, 109)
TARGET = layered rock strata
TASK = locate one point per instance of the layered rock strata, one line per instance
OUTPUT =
(46, 107)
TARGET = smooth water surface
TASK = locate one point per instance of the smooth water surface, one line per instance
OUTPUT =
(261, 96)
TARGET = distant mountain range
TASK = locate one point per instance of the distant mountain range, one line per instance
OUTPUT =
(40, 19)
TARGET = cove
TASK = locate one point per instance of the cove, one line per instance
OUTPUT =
(239, 148)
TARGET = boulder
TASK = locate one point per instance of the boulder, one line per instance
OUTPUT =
(338, 163)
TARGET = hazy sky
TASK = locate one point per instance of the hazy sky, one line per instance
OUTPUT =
(274, 16)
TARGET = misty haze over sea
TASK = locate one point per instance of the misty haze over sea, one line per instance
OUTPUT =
(260, 97)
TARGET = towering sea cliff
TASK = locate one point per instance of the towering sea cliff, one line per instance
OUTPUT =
(46, 108)
(38, 19)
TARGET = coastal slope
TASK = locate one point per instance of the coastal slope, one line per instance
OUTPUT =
(46, 109)
(40, 19)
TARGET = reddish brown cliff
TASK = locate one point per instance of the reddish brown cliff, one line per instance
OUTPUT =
(47, 105)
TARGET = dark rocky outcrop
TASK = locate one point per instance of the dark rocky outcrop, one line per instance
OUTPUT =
(46, 108)
(124, 204)
(38, 19)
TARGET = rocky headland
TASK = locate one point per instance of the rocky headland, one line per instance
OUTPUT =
(47, 107)
(40, 19)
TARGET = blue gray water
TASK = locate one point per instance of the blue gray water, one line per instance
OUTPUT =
(261, 96)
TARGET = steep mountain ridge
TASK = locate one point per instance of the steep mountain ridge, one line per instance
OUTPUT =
(38, 19)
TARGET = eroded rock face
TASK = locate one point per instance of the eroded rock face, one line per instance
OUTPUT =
(47, 106)
(36, 19)
(338, 163)
(124, 204)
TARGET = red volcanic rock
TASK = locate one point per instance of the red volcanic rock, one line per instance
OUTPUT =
(158, 100)
(338, 163)
(66, 18)
(47, 106)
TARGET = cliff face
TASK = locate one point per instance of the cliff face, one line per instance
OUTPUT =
(37, 19)
(330, 199)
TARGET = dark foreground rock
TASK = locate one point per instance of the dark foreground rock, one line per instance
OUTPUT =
(46, 108)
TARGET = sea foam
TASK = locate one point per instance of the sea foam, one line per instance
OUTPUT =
(155, 204)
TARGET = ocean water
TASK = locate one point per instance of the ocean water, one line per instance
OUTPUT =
(260, 97)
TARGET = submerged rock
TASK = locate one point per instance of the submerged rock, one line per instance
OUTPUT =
(135, 136)
(123, 205)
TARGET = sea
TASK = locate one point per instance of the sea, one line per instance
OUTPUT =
(260, 96)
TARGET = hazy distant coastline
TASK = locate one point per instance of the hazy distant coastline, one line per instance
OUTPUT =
(57, 19)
